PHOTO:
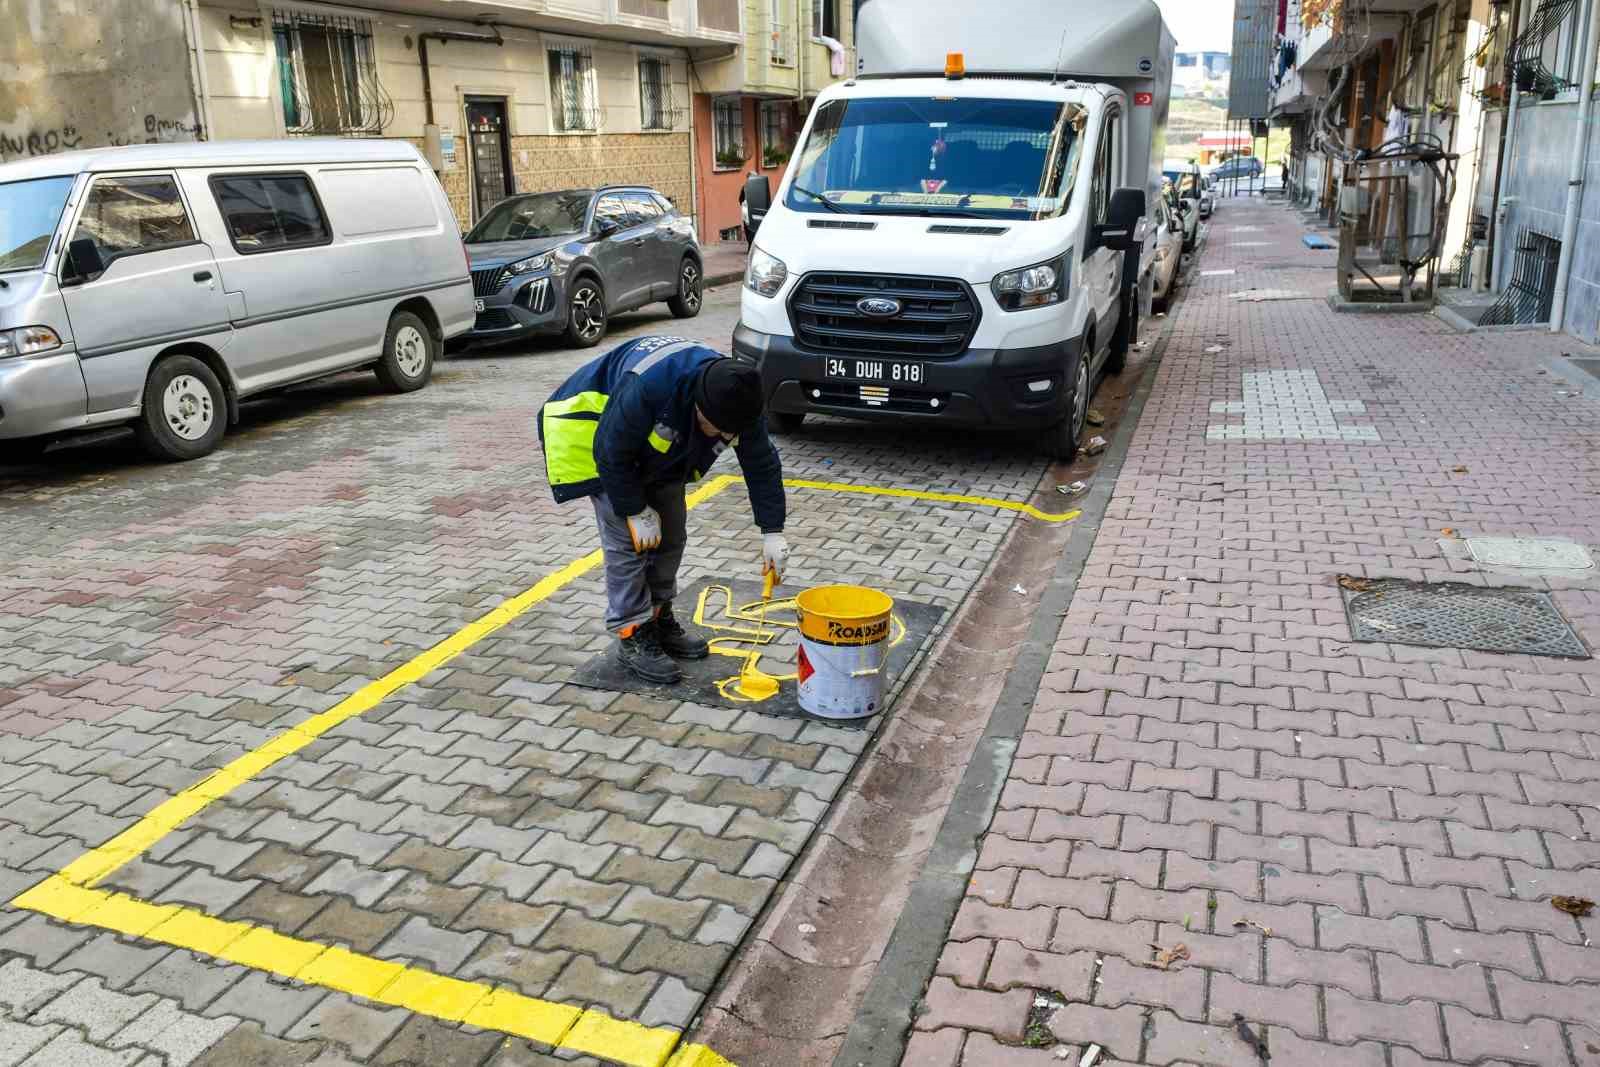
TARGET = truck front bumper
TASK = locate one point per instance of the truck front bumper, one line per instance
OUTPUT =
(1015, 388)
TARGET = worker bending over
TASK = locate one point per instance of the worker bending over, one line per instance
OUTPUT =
(629, 430)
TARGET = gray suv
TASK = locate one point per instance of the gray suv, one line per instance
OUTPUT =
(565, 262)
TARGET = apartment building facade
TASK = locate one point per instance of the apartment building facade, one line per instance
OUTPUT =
(1505, 85)
(750, 102)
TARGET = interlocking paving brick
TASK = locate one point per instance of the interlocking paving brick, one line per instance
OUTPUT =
(89, 1006)
(271, 1004)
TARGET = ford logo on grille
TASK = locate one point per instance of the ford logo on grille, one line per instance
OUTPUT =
(878, 307)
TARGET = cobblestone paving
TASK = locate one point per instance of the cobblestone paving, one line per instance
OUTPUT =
(1356, 843)
(490, 822)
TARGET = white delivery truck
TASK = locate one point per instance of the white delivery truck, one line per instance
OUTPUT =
(962, 236)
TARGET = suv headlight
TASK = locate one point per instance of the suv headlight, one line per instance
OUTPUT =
(532, 263)
(27, 341)
(1032, 287)
(764, 274)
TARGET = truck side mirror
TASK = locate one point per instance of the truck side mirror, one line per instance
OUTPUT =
(1120, 231)
(758, 194)
(83, 260)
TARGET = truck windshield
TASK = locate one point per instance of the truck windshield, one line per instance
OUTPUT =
(986, 158)
(541, 215)
(29, 212)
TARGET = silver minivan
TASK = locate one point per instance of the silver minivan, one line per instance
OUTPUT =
(160, 285)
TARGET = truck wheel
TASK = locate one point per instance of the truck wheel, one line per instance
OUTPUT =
(787, 422)
(184, 412)
(408, 354)
(686, 304)
(1061, 441)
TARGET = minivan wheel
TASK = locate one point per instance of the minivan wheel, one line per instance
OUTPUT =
(184, 412)
(409, 350)
(586, 314)
(1063, 439)
(686, 305)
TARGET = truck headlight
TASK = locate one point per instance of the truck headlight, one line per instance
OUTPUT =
(1032, 287)
(532, 263)
(27, 341)
(764, 274)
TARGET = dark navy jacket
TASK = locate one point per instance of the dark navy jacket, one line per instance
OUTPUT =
(626, 421)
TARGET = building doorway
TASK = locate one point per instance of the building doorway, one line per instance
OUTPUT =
(490, 145)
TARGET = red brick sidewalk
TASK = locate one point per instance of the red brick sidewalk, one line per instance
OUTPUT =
(1209, 748)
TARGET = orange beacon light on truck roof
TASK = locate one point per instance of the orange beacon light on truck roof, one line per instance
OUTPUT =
(955, 65)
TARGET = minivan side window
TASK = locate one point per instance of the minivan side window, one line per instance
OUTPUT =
(270, 212)
(126, 215)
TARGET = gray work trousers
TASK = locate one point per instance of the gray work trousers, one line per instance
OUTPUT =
(637, 583)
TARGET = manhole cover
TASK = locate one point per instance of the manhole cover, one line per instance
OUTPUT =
(1530, 552)
(1454, 615)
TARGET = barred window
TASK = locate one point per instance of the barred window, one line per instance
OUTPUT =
(574, 102)
(327, 75)
(728, 132)
(777, 142)
(655, 94)
(1547, 58)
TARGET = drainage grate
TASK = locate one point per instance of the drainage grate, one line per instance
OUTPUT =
(1455, 615)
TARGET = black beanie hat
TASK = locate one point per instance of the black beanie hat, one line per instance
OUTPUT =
(729, 394)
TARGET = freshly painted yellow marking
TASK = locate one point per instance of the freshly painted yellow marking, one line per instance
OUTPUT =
(944, 498)
(70, 896)
(381, 981)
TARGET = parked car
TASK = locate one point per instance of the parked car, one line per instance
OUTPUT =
(565, 262)
(1238, 167)
(159, 285)
(1208, 197)
(1168, 254)
(1186, 216)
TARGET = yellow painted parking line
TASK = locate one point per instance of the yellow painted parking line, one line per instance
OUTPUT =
(69, 895)
(944, 498)
(380, 981)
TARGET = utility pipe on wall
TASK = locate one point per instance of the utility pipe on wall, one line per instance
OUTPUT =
(197, 55)
(1580, 161)
(1491, 253)
(431, 148)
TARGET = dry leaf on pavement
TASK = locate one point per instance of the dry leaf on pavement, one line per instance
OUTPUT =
(1169, 959)
(1579, 906)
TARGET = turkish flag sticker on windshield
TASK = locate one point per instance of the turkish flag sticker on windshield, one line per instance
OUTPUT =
(932, 185)
(1144, 99)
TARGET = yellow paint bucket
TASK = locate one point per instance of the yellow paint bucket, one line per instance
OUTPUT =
(844, 641)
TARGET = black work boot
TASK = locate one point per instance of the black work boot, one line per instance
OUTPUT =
(642, 657)
(675, 641)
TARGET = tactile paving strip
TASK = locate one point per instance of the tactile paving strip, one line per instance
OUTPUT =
(1455, 615)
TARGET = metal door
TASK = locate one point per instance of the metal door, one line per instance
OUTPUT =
(490, 143)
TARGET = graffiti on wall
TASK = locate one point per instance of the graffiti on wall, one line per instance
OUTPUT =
(87, 73)
(16, 144)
